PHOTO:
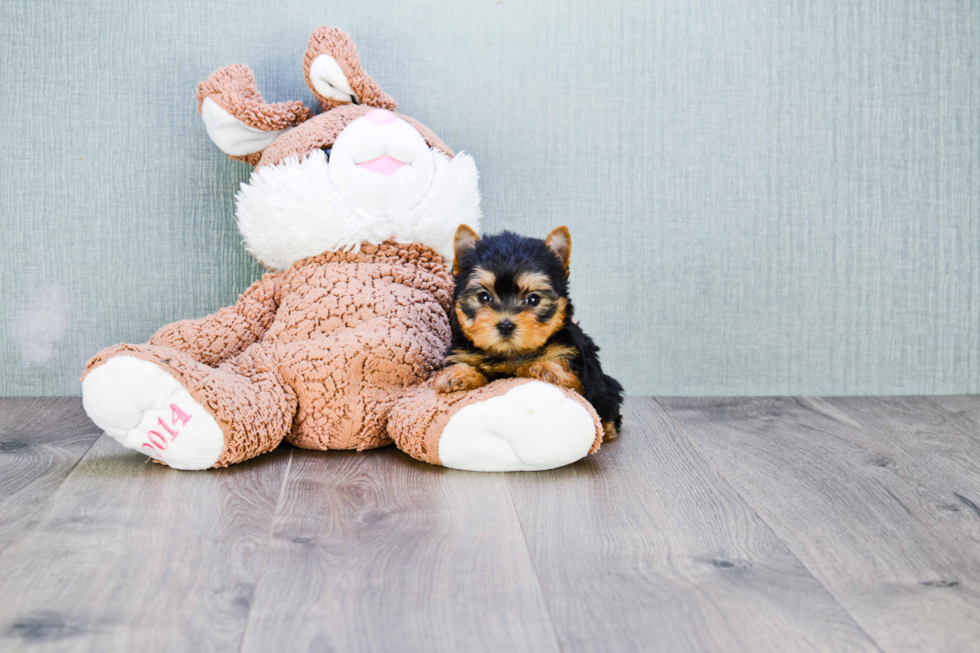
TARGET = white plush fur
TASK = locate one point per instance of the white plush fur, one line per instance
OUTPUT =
(127, 397)
(292, 210)
(531, 427)
(379, 194)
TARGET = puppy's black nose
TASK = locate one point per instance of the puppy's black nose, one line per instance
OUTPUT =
(506, 327)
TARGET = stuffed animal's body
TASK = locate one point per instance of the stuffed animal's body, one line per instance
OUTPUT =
(354, 211)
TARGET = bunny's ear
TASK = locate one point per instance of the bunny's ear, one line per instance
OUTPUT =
(334, 74)
(239, 122)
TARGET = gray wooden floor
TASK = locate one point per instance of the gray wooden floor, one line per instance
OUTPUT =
(772, 524)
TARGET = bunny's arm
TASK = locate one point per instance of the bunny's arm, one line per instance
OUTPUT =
(226, 333)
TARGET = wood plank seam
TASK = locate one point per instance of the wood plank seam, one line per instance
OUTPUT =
(38, 517)
(534, 566)
(769, 526)
(77, 462)
(268, 544)
(645, 547)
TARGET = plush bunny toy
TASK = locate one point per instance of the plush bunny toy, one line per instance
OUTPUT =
(354, 212)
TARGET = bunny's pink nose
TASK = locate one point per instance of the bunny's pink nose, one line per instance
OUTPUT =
(381, 117)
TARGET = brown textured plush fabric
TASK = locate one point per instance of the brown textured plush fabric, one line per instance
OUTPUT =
(336, 43)
(318, 133)
(243, 394)
(234, 89)
(322, 131)
(419, 417)
(317, 354)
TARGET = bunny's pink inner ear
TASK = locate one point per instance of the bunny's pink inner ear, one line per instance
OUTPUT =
(334, 74)
(236, 117)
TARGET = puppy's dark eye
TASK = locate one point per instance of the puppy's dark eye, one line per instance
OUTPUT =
(532, 300)
(484, 297)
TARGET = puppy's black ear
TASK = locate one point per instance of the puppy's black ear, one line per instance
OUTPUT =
(463, 242)
(560, 242)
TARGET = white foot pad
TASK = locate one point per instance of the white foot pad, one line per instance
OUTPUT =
(531, 427)
(146, 409)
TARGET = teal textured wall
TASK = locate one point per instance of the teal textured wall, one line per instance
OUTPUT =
(765, 196)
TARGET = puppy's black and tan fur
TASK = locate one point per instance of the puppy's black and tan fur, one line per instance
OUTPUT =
(512, 317)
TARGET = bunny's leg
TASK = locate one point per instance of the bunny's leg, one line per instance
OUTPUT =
(507, 425)
(164, 403)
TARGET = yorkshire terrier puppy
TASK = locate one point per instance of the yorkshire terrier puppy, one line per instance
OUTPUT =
(512, 317)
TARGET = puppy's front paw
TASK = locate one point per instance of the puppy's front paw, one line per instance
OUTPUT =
(459, 377)
(553, 372)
